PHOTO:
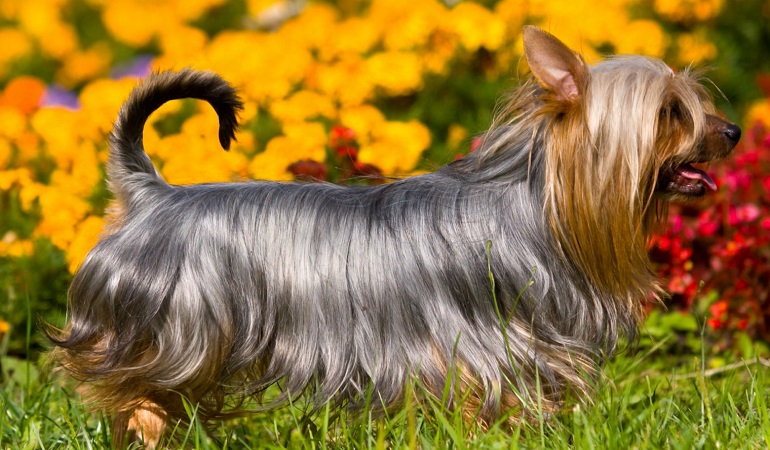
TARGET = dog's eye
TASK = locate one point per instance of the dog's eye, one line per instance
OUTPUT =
(671, 111)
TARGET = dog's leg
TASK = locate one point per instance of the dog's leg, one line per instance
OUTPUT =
(144, 424)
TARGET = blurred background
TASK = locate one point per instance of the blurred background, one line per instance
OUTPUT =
(357, 91)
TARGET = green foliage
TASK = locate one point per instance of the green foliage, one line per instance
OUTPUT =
(646, 400)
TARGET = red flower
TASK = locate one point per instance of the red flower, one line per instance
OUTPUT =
(743, 213)
(715, 324)
(719, 309)
(308, 170)
(341, 135)
(476, 142)
(346, 151)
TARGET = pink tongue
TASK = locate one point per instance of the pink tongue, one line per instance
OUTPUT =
(691, 173)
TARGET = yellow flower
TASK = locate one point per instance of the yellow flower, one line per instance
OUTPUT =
(136, 22)
(457, 136)
(477, 26)
(513, 13)
(397, 73)
(13, 177)
(407, 24)
(643, 37)
(181, 43)
(302, 105)
(363, 119)
(58, 129)
(61, 212)
(16, 44)
(346, 80)
(42, 19)
(688, 10)
(300, 142)
(5, 153)
(263, 66)
(30, 190)
(187, 10)
(273, 163)
(694, 49)
(311, 28)
(310, 139)
(759, 112)
(12, 246)
(441, 49)
(81, 174)
(100, 102)
(194, 159)
(86, 235)
(13, 122)
(255, 7)
(397, 147)
(355, 35)
(85, 65)
(9, 9)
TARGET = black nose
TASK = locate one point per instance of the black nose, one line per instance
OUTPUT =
(733, 132)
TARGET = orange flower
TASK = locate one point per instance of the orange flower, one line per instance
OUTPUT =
(23, 93)
(86, 235)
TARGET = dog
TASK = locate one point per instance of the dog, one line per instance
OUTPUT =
(508, 275)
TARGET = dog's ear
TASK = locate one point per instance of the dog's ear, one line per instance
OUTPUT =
(556, 67)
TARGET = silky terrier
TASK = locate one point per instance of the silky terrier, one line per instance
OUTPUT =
(501, 281)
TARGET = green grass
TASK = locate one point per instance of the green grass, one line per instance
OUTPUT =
(646, 400)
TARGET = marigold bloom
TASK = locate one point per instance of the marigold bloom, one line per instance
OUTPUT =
(363, 120)
(644, 37)
(180, 45)
(86, 235)
(23, 94)
(16, 44)
(85, 65)
(347, 80)
(477, 26)
(302, 105)
(61, 212)
(407, 24)
(100, 102)
(136, 22)
(17, 248)
(304, 141)
(264, 75)
(688, 10)
(5, 153)
(694, 49)
(197, 158)
(13, 121)
(759, 112)
(397, 73)
(355, 35)
(396, 148)
(58, 127)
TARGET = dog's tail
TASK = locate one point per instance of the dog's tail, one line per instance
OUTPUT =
(129, 165)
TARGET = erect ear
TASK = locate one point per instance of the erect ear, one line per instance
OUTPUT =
(556, 67)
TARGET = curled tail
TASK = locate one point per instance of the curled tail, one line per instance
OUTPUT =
(127, 155)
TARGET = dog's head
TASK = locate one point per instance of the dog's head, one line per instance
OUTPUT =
(645, 126)
(618, 138)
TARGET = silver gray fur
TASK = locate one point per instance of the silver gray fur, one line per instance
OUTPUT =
(219, 290)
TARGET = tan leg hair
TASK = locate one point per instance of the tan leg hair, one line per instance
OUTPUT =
(144, 424)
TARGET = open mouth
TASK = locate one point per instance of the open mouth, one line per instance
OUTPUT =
(685, 179)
